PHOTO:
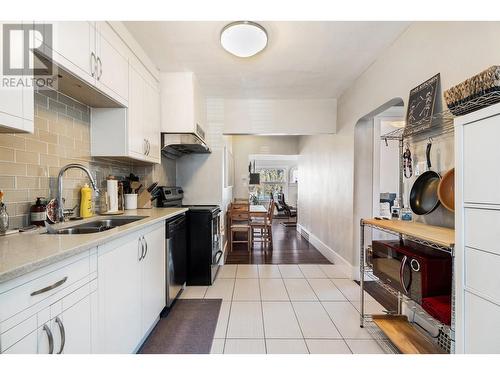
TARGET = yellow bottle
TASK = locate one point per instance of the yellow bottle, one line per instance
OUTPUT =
(86, 201)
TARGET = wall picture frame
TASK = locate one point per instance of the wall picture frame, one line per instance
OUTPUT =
(421, 105)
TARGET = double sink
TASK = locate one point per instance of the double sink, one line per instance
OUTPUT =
(96, 226)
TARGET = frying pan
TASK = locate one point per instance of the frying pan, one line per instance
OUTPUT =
(446, 190)
(424, 192)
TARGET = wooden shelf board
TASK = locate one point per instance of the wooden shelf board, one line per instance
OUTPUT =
(404, 336)
(439, 235)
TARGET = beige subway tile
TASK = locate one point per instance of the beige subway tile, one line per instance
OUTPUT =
(27, 157)
(36, 170)
(6, 154)
(18, 195)
(18, 221)
(65, 121)
(46, 136)
(44, 182)
(27, 182)
(41, 123)
(49, 160)
(7, 182)
(66, 141)
(46, 113)
(33, 194)
(56, 150)
(11, 141)
(12, 169)
(57, 128)
(36, 146)
(22, 208)
(54, 171)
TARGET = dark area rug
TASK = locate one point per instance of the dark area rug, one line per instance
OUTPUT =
(188, 328)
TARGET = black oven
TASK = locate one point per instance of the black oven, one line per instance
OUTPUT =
(415, 270)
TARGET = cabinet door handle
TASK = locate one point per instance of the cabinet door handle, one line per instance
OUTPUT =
(145, 146)
(93, 62)
(99, 65)
(146, 247)
(50, 287)
(148, 147)
(50, 337)
(140, 248)
(63, 334)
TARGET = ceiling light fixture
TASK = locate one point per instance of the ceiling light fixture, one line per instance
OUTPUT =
(243, 38)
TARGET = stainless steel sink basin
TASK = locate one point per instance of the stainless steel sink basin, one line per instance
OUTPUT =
(97, 226)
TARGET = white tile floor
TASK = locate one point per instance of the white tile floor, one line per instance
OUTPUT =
(287, 309)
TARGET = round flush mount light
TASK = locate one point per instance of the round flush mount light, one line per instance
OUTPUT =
(243, 38)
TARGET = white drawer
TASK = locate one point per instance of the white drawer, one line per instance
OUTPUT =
(481, 273)
(481, 229)
(481, 155)
(20, 297)
(482, 325)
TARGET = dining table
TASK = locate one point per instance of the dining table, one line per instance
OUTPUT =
(257, 210)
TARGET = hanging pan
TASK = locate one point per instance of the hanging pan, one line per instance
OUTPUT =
(446, 190)
(424, 192)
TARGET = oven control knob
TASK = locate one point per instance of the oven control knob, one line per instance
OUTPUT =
(415, 265)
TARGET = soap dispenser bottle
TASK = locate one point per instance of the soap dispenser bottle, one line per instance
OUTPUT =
(86, 201)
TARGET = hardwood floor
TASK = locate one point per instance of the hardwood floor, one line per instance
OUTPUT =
(289, 247)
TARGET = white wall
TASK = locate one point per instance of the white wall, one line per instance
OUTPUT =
(292, 116)
(455, 49)
(245, 145)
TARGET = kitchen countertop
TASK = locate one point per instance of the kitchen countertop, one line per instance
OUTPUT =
(26, 252)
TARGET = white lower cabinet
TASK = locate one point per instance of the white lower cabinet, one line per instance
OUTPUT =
(153, 277)
(119, 288)
(131, 288)
(105, 300)
(27, 345)
(56, 318)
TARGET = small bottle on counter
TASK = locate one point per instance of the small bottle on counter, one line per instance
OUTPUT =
(406, 214)
(396, 210)
(38, 212)
(86, 201)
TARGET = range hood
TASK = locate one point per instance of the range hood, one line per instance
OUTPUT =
(175, 145)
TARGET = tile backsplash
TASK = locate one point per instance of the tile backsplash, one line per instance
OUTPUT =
(30, 163)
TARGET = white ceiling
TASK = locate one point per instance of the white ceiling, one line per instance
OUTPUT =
(302, 59)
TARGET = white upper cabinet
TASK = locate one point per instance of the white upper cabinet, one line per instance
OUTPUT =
(182, 104)
(135, 130)
(16, 101)
(94, 53)
(74, 48)
(112, 64)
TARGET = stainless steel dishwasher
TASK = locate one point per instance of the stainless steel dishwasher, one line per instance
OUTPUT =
(176, 256)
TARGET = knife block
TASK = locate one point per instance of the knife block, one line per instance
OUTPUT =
(144, 199)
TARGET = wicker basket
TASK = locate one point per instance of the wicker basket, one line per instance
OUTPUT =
(479, 91)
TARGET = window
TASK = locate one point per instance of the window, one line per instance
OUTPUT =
(272, 181)
(294, 175)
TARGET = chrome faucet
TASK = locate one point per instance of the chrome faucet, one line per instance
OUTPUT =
(60, 202)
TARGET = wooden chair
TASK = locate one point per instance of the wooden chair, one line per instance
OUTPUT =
(239, 222)
(264, 226)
